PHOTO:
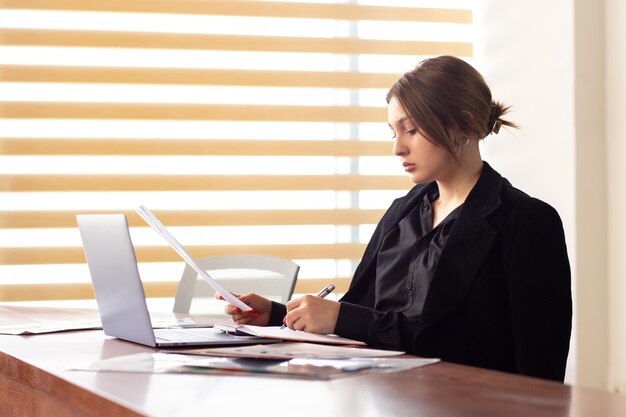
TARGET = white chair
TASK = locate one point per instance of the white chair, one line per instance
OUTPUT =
(269, 276)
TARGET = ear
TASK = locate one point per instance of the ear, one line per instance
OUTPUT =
(456, 136)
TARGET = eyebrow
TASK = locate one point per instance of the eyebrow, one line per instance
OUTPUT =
(400, 121)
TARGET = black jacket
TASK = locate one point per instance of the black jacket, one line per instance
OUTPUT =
(501, 295)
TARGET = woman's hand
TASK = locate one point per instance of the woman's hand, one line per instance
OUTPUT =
(261, 306)
(312, 314)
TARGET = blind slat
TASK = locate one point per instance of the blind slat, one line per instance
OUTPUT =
(162, 76)
(251, 8)
(224, 112)
(84, 291)
(144, 40)
(54, 182)
(74, 255)
(45, 219)
(117, 147)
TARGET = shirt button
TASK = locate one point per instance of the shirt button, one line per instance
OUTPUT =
(426, 208)
(408, 286)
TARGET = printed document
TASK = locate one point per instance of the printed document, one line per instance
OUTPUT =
(151, 219)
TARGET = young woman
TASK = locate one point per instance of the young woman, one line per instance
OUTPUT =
(465, 267)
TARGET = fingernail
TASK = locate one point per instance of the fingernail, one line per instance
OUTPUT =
(236, 310)
(284, 319)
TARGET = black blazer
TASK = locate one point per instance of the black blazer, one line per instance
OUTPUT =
(501, 294)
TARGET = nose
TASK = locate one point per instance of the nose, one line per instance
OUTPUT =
(399, 149)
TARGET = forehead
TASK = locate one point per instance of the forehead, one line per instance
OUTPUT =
(396, 116)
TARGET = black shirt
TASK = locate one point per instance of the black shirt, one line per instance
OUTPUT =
(406, 264)
(408, 259)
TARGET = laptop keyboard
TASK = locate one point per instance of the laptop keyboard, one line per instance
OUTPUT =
(186, 335)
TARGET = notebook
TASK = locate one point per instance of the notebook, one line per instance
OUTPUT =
(119, 294)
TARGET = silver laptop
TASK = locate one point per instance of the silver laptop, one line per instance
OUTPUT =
(119, 293)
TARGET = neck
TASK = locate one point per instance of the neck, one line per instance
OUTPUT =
(454, 189)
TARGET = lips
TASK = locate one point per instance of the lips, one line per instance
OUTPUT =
(408, 167)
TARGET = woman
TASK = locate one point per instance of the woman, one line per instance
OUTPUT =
(465, 267)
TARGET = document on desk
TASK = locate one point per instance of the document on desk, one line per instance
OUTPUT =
(290, 350)
(23, 329)
(161, 362)
(53, 326)
(151, 219)
(275, 332)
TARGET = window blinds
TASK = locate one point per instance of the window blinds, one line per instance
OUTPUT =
(246, 126)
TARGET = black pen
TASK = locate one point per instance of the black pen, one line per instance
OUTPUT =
(322, 294)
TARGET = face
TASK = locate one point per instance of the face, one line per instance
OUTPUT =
(420, 158)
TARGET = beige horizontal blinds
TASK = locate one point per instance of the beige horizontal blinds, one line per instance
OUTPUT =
(187, 76)
(31, 292)
(109, 39)
(197, 183)
(151, 111)
(37, 219)
(60, 146)
(246, 126)
(69, 255)
(251, 8)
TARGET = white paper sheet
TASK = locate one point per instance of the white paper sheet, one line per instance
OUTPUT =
(151, 219)
(276, 332)
(51, 327)
(298, 367)
(290, 350)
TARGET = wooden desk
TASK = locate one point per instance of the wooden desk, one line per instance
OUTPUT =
(34, 382)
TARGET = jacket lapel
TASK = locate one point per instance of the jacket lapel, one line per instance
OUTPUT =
(390, 221)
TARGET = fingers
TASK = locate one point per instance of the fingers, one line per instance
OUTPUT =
(260, 307)
(298, 324)
(244, 320)
(312, 314)
(220, 297)
(231, 309)
(292, 315)
(240, 317)
(293, 318)
(295, 303)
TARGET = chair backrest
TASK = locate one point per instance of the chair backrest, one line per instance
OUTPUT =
(269, 276)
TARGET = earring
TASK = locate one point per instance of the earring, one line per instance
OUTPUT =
(466, 140)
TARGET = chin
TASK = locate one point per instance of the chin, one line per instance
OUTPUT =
(419, 178)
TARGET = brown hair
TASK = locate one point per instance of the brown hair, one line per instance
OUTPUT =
(448, 100)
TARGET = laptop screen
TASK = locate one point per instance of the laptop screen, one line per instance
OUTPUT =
(115, 277)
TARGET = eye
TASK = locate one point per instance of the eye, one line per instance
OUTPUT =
(411, 132)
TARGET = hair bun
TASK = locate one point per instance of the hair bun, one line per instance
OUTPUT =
(493, 124)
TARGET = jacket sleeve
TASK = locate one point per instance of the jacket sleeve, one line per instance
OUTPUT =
(277, 314)
(540, 293)
(379, 329)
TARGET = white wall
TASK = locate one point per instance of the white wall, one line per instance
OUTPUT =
(616, 164)
(591, 195)
(525, 50)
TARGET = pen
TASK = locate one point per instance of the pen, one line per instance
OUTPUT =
(322, 294)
